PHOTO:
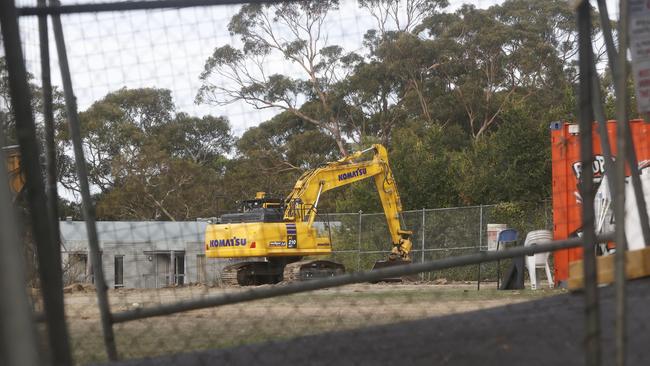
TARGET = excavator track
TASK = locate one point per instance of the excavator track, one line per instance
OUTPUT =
(251, 274)
(310, 270)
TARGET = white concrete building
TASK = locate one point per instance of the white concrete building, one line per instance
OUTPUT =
(142, 254)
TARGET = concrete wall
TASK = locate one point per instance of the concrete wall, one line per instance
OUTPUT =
(146, 248)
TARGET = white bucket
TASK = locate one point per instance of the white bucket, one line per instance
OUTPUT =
(493, 231)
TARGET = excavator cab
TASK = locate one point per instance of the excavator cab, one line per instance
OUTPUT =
(261, 201)
(260, 209)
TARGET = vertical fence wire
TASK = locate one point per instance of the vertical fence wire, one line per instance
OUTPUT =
(480, 245)
(423, 235)
(359, 241)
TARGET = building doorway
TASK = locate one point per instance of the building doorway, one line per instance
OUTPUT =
(179, 269)
(168, 268)
(119, 271)
(201, 275)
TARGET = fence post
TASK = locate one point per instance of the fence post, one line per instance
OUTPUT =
(480, 244)
(422, 234)
(18, 341)
(47, 250)
(585, 116)
(359, 244)
(87, 206)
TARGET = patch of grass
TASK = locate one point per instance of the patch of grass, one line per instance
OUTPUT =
(441, 293)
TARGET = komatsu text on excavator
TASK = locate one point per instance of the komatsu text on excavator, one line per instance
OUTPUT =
(281, 233)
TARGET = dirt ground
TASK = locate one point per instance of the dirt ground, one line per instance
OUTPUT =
(280, 318)
(542, 332)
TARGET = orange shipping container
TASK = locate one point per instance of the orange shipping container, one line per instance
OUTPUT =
(567, 210)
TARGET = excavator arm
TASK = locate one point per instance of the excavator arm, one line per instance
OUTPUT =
(302, 203)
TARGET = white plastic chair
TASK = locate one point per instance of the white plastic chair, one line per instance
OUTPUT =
(539, 260)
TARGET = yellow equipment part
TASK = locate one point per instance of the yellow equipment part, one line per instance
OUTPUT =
(270, 239)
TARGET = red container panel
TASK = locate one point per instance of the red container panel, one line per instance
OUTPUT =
(565, 152)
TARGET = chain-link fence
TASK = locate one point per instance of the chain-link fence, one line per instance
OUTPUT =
(135, 118)
(163, 254)
(361, 239)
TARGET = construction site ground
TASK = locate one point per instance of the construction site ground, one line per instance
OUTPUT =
(278, 319)
(547, 331)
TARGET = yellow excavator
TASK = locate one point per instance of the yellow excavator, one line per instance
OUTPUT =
(281, 233)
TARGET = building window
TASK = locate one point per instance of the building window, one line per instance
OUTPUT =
(119, 271)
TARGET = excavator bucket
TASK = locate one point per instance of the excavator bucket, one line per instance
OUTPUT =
(395, 262)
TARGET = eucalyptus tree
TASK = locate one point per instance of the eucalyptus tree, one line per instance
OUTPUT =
(294, 32)
(147, 161)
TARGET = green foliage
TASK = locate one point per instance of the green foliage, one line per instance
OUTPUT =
(292, 31)
(522, 216)
(511, 164)
(148, 162)
(162, 188)
(462, 100)
(274, 154)
(421, 160)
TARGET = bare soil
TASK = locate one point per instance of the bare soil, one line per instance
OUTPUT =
(344, 308)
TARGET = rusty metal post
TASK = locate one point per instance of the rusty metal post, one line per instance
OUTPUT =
(48, 117)
(49, 254)
(82, 174)
(18, 344)
(623, 140)
(592, 320)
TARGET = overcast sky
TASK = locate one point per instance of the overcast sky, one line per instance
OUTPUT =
(167, 49)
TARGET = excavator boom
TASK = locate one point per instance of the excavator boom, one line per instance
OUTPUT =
(302, 202)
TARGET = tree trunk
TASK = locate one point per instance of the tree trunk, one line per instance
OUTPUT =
(336, 132)
(341, 144)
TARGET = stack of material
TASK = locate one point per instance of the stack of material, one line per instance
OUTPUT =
(540, 259)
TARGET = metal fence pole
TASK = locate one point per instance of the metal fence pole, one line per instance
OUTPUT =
(592, 321)
(49, 254)
(623, 140)
(18, 344)
(48, 118)
(480, 244)
(422, 234)
(359, 244)
(86, 202)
